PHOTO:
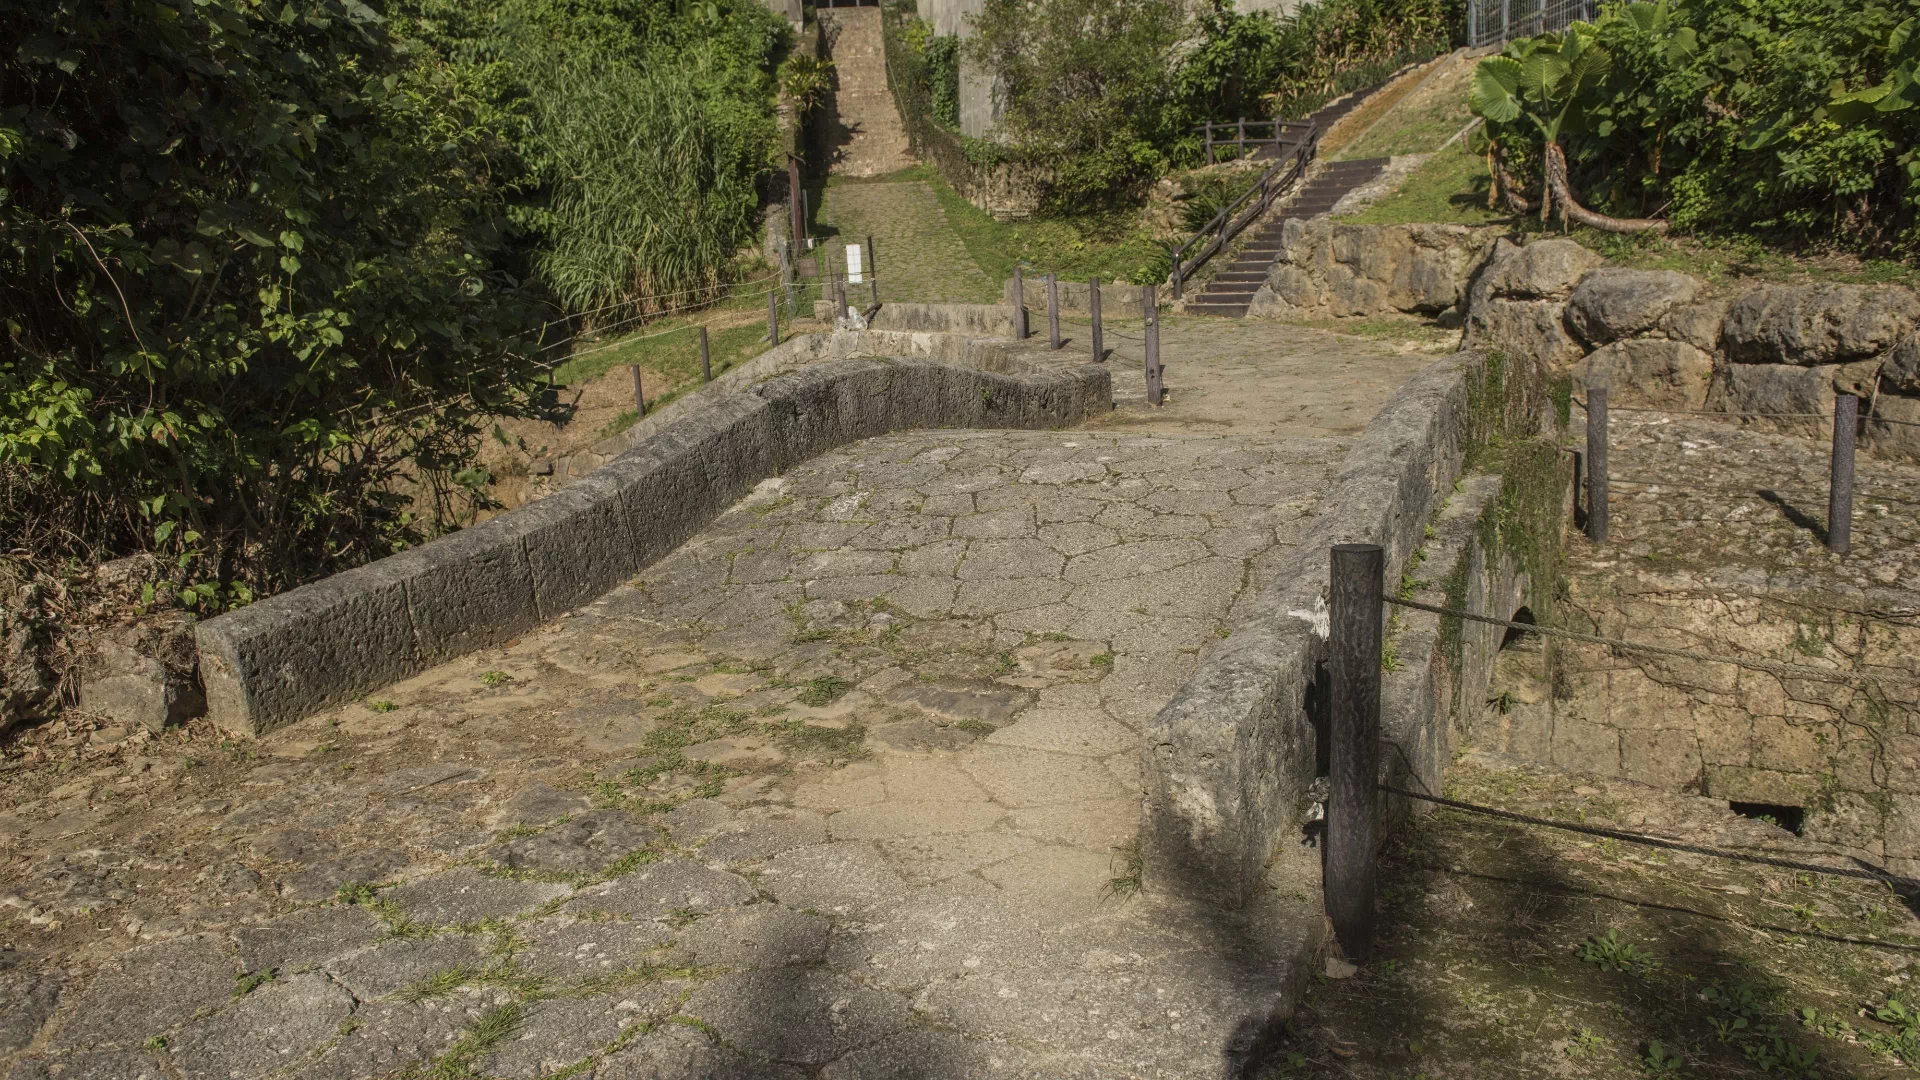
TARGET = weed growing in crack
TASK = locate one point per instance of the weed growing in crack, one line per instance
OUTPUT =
(824, 690)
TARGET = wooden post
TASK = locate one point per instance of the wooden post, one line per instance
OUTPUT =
(1242, 140)
(1149, 306)
(1053, 311)
(639, 396)
(1209, 130)
(706, 359)
(873, 273)
(1597, 465)
(1093, 304)
(1019, 305)
(795, 195)
(1846, 417)
(773, 318)
(1354, 613)
(1176, 279)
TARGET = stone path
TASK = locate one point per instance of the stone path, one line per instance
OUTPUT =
(845, 787)
(921, 258)
(865, 134)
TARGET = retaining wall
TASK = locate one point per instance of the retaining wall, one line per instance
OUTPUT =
(1228, 762)
(272, 662)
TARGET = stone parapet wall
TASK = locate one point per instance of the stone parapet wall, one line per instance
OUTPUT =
(1657, 338)
(1228, 762)
(282, 658)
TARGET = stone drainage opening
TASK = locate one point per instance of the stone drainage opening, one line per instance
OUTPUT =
(1789, 818)
(1517, 636)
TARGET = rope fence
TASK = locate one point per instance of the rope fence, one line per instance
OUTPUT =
(1150, 341)
(1357, 602)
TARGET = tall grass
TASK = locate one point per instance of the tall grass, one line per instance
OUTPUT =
(654, 181)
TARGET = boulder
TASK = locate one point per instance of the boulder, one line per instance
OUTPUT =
(1812, 325)
(27, 685)
(1542, 270)
(147, 675)
(1697, 324)
(1893, 428)
(1650, 372)
(1800, 397)
(1615, 302)
(1902, 369)
(1523, 328)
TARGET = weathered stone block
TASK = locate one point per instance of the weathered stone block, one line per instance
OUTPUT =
(1817, 324)
(1650, 372)
(1581, 745)
(1522, 328)
(147, 675)
(1543, 270)
(1744, 784)
(1893, 430)
(1803, 394)
(1697, 324)
(1902, 369)
(1664, 757)
(1613, 302)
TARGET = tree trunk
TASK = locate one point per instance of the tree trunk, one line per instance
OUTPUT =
(1562, 193)
(1503, 183)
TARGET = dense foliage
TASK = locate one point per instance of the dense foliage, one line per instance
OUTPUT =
(1104, 96)
(647, 124)
(1795, 118)
(269, 268)
(250, 286)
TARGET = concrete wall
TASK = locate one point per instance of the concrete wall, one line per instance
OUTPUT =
(272, 662)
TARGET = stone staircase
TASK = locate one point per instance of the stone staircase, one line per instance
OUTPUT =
(1231, 291)
(865, 136)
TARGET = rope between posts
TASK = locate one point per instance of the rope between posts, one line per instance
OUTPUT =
(1870, 873)
(1868, 418)
(1772, 667)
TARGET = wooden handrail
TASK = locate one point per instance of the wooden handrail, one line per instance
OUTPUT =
(1241, 212)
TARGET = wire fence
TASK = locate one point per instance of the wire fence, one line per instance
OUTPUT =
(1493, 22)
(1356, 643)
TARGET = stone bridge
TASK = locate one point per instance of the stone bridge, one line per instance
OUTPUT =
(847, 785)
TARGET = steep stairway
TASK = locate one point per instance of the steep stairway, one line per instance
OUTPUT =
(865, 136)
(1231, 291)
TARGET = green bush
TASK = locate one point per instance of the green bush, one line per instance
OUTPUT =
(250, 277)
(648, 125)
(1792, 118)
(1104, 96)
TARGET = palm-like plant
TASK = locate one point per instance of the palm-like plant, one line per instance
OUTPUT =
(1550, 81)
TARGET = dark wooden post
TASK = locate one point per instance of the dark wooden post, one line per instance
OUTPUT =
(1846, 418)
(639, 396)
(1019, 305)
(796, 195)
(1093, 304)
(1209, 130)
(1176, 279)
(873, 273)
(706, 359)
(1597, 465)
(1355, 629)
(773, 318)
(1053, 311)
(1242, 139)
(1150, 307)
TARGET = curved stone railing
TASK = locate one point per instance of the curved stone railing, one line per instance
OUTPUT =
(275, 661)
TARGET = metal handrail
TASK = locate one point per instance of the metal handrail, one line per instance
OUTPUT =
(1231, 219)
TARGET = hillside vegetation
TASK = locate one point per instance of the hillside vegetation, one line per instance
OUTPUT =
(270, 269)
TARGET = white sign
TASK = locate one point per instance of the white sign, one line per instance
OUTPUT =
(853, 265)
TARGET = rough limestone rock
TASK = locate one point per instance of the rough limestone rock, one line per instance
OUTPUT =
(1616, 302)
(1817, 324)
(1773, 389)
(1901, 372)
(1893, 430)
(1542, 270)
(1650, 372)
(1697, 324)
(1523, 328)
(147, 675)
(1355, 270)
(27, 686)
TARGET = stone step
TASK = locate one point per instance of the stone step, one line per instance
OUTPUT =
(1255, 276)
